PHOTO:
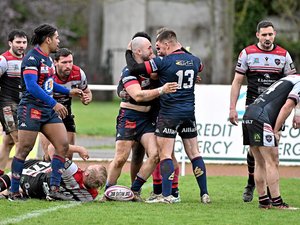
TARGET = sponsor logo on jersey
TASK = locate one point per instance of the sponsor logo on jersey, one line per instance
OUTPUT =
(44, 69)
(269, 138)
(277, 61)
(198, 172)
(31, 58)
(169, 131)
(256, 137)
(184, 62)
(266, 63)
(35, 114)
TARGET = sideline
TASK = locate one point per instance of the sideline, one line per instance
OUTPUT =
(37, 213)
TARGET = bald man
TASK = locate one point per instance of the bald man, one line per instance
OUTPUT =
(134, 122)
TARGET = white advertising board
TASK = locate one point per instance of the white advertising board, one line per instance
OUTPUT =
(221, 142)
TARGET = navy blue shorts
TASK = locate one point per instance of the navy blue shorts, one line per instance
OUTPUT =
(131, 124)
(32, 117)
(168, 127)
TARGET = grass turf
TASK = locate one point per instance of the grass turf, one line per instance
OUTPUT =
(227, 207)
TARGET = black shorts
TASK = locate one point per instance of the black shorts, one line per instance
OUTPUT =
(8, 116)
(256, 133)
(69, 123)
(168, 127)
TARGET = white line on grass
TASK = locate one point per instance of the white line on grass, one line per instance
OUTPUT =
(37, 213)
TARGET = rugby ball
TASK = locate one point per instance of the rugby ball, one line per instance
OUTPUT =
(119, 193)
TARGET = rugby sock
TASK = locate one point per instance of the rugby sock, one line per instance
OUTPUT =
(137, 183)
(157, 181)
(17, 166)
(200, 174)
(1, 172)
(251, 166)
(4, 182)
(264, 200)
(277, 201)
(167, 173)
(57, 165)
(175, 189)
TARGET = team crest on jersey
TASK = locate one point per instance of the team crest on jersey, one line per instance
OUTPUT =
(48, 85)
(35, 114)
(269, 138)
(277, 61)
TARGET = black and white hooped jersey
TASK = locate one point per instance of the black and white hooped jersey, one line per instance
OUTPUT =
(263, 68)
(267, 106)
(10, 77)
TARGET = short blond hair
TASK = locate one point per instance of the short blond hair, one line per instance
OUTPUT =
(97, 176)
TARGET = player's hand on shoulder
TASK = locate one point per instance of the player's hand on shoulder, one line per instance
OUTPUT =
(170, 87)
(61, 110)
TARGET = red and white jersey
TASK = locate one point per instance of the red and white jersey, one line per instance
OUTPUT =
(10, 77)
(72, 181)
(263, 68)
(76, 79)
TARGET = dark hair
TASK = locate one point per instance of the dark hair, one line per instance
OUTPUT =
(16, 33)
(264, 24)
(62, 52)
(41, 33)
(167, 35)
(141, 34)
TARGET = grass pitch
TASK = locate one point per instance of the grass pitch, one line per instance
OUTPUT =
(227, 207)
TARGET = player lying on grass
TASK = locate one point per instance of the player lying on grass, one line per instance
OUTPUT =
(80, 185)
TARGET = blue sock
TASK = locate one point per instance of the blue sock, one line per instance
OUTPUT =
(17, 166)
(167, 173)
(137, 183)
(200, 174)
(57, 165)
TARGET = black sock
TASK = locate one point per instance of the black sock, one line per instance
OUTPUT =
(277, 201)
(264, 200)
(251, 166)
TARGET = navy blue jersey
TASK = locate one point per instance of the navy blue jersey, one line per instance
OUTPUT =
(128, 79)
(36, 62)
(180, 67)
